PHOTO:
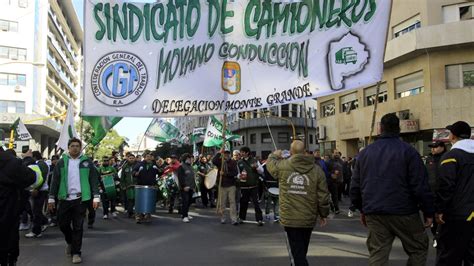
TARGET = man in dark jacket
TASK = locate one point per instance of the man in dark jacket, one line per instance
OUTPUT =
(335, 185)
(127, 181)
(455, 199)
(389, 186)
(438, 149)
(227, 188)
(187, 184)
(14, 178)
(303, 197)
(248, 185)
(145, 173)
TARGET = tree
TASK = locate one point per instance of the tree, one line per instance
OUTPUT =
(165, 149)
(111, 142)
(86, 136)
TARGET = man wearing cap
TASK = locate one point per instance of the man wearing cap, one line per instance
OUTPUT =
(438, 149)
(455, 199)
(227, 185)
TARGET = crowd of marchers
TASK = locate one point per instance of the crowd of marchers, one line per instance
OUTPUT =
(396, 191)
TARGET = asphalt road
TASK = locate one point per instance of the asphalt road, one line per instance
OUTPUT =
(204, 241)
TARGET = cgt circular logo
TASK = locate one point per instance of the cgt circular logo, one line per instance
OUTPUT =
(119, 78)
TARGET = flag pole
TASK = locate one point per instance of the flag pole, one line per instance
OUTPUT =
(12, 134)
(377, 92)
(140, 144)
(221, 172)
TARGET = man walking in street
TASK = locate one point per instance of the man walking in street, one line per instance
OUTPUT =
(127, 181)
(106, 171)
(336, 172)
(455, 199)
(303, 197)
(390, 186)
(75, 184)
(438, 149)
(249, 185)
(227, 188)
(187, 185)
(14, 178)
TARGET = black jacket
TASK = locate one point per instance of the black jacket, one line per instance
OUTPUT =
(390, 178)
(147, 175)
(230, 171)
(455, 194)
(14, 177)
(186, 176)
(432, 165)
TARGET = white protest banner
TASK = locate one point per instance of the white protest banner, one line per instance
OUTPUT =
(202, 57)
(213, 134)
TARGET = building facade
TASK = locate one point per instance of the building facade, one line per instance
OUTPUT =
(40, 67)
(428, 79)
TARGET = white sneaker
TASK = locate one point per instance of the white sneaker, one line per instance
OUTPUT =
(76, 259)
(185, 220)
(222, 220)
(114, 214)
(350, 214)
(106, 217)
(33, 235)
(190, 217)
(44, 227)
(435, 243)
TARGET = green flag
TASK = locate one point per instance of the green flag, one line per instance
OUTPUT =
(213, 135)
(20, 131)
(101, 125)
(163, 131)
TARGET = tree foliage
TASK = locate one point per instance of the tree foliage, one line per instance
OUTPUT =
(111, 142)
(165, 150)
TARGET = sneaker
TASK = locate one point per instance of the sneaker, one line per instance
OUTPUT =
(235, 223)
(106, 217)
(53, 224)
(277, 219)
(435, 243)
(33, 235)
(260, 223)
(222, 220)
(350, 214)
(241, 221)
(68, 250)
(338, 211)
(76, 259)
(190, 217)
(24, 227)
(267, 217)
(185, 220)
(114, 214)
(44, 227)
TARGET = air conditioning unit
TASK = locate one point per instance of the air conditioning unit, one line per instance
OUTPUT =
(321, 132)
(17, 88)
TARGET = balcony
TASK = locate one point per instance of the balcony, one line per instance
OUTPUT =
(63, 76)
(429, 37)
(272, 122)
(62, 34)
(58, 49)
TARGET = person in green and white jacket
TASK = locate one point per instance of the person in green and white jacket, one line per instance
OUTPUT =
(75, 184)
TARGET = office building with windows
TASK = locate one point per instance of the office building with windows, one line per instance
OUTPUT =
(428, 79)
(40, 67)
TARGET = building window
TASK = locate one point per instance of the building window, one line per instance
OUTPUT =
(12, 107)
(409, 85)
(23, 3)
(6, 25)
(283, 137)
(12, 79)
(285, 110)
(466, 12)
(294, 110)
(407, 26)
(253, 138)
(12, 53)
(349, 102)
(460, 76)
(310, 139)
(328, 108)
(369, 94)
(266, 138)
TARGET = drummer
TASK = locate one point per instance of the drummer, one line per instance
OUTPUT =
(207, 195)
(271, 200)
(127, 181)
(172, 168)
(145, 173)
(106, 170)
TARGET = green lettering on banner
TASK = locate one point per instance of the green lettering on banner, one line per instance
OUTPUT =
(319, 14)
(226, 14)
(101, 32)
(265, 19)
(211, 28)
(135, 11)
(253, 5)
(171, 22)
(161, 21)
(120, 24)
(372, 9)
(280, 16)
(193, 6)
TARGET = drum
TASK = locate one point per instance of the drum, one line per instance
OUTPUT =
(274, 191)
(211, 178)
(145, 199)
(109, 186)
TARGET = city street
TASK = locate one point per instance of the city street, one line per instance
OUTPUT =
(168, 241)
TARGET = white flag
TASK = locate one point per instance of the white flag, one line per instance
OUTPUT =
(68, 131)
(21, 131)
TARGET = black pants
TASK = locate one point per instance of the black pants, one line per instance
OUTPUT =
(186, 202)
(26, 207)
(106, 203)
(333, 187)
(38, 217)
(9, 241)
(249, 193)
(298, 239)
(71, 216)
(207, 195)
(455, 243)
(90, 213)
